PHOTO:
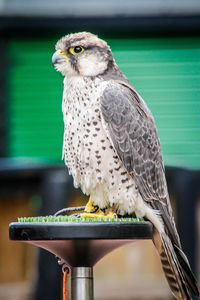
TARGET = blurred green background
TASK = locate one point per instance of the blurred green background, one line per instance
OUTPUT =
(165, 71)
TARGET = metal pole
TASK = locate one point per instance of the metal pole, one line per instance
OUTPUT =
(82, 283)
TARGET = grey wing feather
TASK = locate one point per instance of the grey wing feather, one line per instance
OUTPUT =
(134, 135)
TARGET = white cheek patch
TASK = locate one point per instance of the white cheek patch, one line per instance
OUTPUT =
(66, 69)
(91, 66)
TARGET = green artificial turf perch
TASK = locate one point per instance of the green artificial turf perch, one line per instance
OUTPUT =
(75, 219)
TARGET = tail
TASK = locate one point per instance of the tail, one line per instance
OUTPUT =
(176, 267)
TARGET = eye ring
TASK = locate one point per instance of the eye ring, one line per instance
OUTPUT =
(76, 50)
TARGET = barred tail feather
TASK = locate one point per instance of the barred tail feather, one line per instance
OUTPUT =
(190, 279)
(176, 267)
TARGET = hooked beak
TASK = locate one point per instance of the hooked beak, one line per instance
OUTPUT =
(58, 57)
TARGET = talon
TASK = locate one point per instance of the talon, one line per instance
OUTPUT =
(103, 210)
(93, 211)
(112, 215)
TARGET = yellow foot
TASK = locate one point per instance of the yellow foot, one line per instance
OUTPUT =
(90, 206)
(93, 211)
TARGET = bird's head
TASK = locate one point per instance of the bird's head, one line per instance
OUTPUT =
(82, 54)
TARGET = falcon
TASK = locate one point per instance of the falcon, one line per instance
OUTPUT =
(112, 149)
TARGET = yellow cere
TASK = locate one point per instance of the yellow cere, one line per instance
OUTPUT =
(61, 52)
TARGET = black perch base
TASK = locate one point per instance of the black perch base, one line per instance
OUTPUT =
(81, 243)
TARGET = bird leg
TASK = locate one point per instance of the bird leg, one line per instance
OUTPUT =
(91, 207)
(93, 211)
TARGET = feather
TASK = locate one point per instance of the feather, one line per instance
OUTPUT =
(175, 266)
(133, 133)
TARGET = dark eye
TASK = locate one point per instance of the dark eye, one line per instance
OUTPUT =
(77, 49)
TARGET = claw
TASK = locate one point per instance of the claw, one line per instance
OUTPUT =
(112, 215)
(93, 211)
